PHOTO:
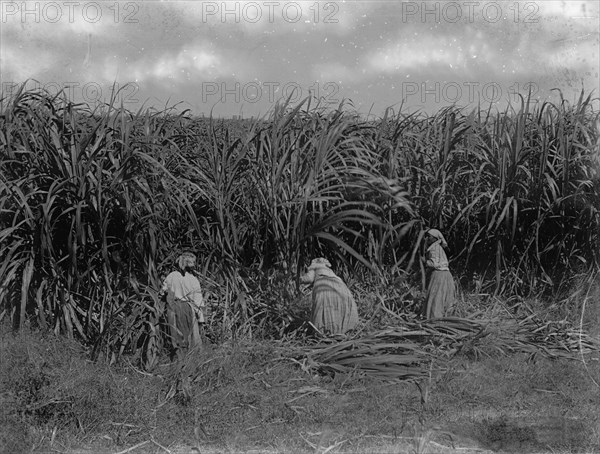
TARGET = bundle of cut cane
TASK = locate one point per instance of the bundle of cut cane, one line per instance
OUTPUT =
(415, 349)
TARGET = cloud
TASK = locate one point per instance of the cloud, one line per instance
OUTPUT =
(335, 72)
(43, 18)
(424, 52)
(274, 18)
(363, 48)
(572, 9)
(16, 67)
(193, 62)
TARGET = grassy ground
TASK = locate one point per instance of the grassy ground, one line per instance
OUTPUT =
(258, 397)
(248, 397)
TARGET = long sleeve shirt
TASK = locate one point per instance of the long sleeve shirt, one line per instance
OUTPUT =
(186, 288)
(436, 257)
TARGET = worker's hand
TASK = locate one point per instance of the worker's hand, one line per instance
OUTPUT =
(202, 313)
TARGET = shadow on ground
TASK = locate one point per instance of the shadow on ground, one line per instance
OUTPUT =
(525, 434)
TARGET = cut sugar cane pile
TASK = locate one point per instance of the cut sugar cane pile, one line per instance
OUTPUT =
(410, 350)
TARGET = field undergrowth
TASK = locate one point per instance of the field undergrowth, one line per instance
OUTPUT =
(257, 396)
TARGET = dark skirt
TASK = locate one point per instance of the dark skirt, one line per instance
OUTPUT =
(440, 294)
(182, 326)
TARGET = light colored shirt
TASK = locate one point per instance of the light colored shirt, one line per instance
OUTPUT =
(436, 257)
(186, 288)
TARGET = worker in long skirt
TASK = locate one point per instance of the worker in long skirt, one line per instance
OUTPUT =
(441, 290)
(184, 305)
(334, 309)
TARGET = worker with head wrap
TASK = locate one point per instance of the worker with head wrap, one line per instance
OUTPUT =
(334, 310)
(184, 304)
(440, 289)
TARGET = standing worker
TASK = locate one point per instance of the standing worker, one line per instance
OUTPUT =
(184, 304)
(440, 289)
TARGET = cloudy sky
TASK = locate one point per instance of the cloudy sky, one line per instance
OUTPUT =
(238, 58)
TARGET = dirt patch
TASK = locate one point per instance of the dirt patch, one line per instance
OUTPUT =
(526, 434)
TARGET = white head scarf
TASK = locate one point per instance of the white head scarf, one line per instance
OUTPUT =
(322, 267)
(186, 259)
(438, 236)
(318, 267)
